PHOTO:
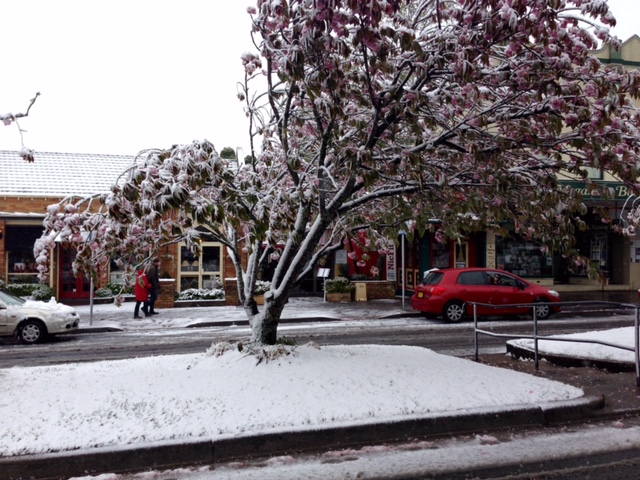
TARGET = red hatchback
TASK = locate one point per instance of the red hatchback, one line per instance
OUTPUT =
(445, 291)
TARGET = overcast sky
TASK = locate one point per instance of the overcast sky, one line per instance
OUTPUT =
(119, 76)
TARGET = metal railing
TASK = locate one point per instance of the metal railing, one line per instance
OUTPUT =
(536, 337)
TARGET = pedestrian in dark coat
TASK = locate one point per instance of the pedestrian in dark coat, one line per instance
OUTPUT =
(153, 275)
(141, 290)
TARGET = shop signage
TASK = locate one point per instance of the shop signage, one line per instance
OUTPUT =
(391, 262)
(621, 191)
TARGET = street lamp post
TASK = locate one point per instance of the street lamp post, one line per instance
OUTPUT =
(404, 275)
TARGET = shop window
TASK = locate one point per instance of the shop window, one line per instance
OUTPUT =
(462, 253)
(635, 251)
(21, 264)
(441, 253)
(522, 258)
(201, 271)
(599, 252)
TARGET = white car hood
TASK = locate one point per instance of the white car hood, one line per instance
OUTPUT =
(48, 308)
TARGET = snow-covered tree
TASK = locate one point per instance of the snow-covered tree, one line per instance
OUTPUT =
(10, 118)
(384, 115)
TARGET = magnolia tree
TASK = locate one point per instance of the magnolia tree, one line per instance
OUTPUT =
(382, 116)
(10, 118)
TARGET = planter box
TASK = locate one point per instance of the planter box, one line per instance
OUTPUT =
(339, 297)
(259, 299)
(200, 302)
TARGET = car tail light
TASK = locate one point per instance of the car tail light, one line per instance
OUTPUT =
(438, 290)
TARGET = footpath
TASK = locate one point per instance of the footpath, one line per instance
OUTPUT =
(608, 394)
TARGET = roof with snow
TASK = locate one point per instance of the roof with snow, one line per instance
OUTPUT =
(59, 174)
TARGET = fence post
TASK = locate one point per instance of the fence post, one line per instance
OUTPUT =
(535, 339)
(637, 345)
(475, 330)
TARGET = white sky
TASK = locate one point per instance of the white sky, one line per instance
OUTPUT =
(120, 76)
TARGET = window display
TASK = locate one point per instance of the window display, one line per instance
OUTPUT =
(522, 258)
(200, 271)
(20, 263)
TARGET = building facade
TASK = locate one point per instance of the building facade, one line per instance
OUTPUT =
(27, 189)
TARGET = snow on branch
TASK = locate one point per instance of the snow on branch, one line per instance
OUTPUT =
(9, 118)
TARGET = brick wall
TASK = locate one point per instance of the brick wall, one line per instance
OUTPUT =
(382, 289)
(231, 292)
(3, 253)
(166, 296)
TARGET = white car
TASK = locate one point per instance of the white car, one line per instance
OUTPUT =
(32, 321)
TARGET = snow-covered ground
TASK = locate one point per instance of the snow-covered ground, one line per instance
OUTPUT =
(182, 397)
(206, 395)
(623, 337)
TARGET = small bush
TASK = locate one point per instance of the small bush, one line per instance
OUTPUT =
(201, 294)
(103, 293)
(22, 289)
(340, 285)
(43, 293)
(262, 287)
(120, 289)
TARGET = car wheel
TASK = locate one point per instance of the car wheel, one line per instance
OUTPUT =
(543, 309)
(453, 311)
(32, 331)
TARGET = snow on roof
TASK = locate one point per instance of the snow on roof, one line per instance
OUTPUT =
(26, 215)
(59, 174)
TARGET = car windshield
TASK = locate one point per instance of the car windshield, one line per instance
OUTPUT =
(9, 299)
(433, 277)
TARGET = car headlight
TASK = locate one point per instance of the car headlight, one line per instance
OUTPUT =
(553, 293)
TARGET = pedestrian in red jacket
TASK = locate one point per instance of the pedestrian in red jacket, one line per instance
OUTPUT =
(142, 294)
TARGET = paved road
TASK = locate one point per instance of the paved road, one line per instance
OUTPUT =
(456, 339)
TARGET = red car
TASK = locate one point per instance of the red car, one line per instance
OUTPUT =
(445, 291)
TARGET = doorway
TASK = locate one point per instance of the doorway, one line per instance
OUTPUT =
(70, 285)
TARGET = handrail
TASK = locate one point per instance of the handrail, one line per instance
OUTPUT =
(536, 337)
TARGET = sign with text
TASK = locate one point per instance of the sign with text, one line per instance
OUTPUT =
(323, 272)
(391, 262)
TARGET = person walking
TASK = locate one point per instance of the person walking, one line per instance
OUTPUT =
(153, 275)
(141, 290)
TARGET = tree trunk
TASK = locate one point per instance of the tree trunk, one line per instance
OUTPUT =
(264, 325)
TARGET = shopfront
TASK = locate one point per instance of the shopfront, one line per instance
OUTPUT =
(608, 251)
(19, 239)
(426, 252)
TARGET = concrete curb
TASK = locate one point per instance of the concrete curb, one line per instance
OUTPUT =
(518, 351)
(164, 455)
(224, 323)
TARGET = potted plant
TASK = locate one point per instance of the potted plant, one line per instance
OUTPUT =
(262, 287)
(339, 289)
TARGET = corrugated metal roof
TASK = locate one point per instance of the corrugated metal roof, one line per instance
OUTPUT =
(59, 174)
